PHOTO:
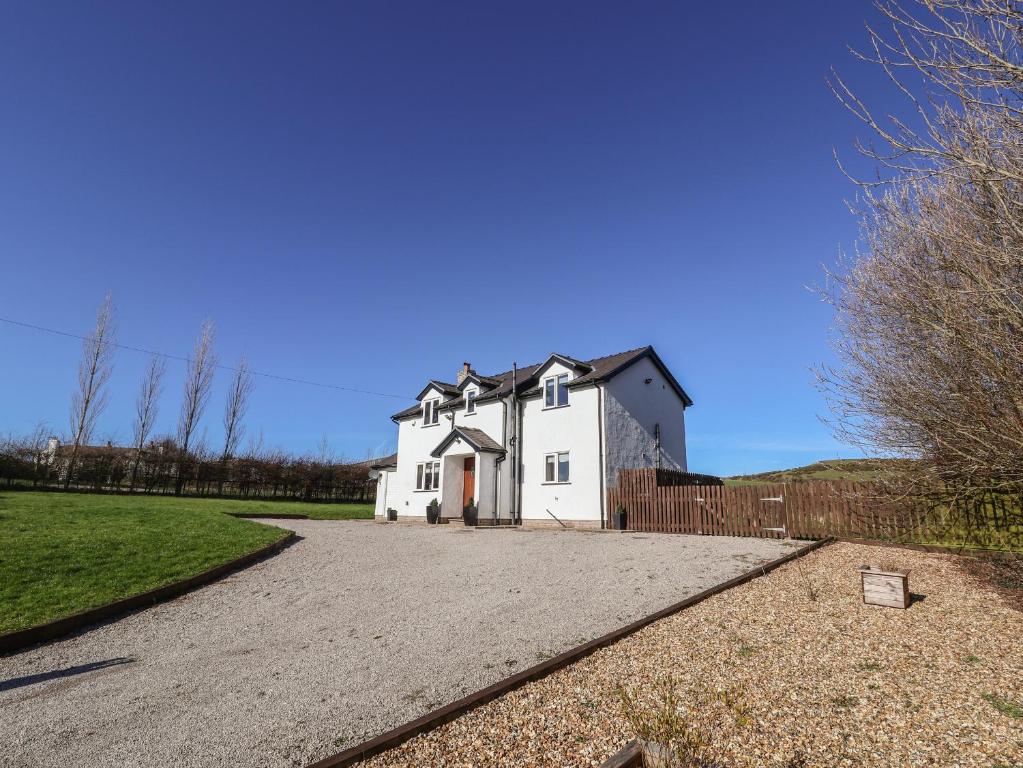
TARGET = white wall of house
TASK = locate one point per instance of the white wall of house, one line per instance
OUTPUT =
(571, 428)
(632, 408)
(415, 442)
(384, 493)
(487, 482)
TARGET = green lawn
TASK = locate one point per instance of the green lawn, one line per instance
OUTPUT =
(314, 511)
(61, 553)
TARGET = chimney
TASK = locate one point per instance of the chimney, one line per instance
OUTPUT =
(465, 371)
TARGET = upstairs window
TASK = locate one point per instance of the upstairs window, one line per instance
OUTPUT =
(555, 391)
(430, 414)
(470, 401)
(428, 476)
(555, 467)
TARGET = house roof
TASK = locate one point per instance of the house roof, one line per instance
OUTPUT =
(387, 462)
(92, 451)
(414, 410)
(453, 403)
(606, 367)
(601, 369)
(476, 438)
(475, 378)
(444, 386)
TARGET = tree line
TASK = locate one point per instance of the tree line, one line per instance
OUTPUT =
(182, 463)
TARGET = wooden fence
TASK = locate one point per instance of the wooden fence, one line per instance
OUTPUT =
(771, 510)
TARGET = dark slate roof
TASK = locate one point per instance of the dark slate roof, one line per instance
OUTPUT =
(386, 462)
(602, 368)
(477, 438)
(570, 361)
(414, 410)
(484, 381)
(444, 386)
(606, 367)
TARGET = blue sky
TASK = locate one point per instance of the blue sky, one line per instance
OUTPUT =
(368, 193)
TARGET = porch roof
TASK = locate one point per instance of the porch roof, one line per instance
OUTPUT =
(477, 439)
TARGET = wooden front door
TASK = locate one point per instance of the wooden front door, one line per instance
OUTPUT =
(468, 479)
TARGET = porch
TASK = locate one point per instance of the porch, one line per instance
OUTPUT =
(471, 474)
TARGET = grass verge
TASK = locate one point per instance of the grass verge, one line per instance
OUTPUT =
(298, 509)
(63, 553)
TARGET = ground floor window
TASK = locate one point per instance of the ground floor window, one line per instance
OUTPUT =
(555, 467)
(428, 476)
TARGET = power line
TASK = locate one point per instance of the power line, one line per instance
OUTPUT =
(289, 379)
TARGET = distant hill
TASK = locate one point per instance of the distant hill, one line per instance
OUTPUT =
(861, 470)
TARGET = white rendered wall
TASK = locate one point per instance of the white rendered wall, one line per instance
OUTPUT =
(571, 428)
(486, 477)
(380, 509)
(631, 409)
(384, 493)
(415, 442)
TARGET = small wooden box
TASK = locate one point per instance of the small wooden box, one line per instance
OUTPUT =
(888, 588)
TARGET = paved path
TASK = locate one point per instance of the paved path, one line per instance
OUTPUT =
(353, 630)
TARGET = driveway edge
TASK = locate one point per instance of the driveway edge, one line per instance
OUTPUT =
(42, 633)
(445, 714)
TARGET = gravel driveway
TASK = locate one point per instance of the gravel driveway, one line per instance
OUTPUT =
(353, 630)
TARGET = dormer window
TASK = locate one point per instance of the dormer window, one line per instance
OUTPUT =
(555, 391)
(470, 401)
(430, 414)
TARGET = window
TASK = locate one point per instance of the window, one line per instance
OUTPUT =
(470, 401)
(555, 391)
(428, 476)
(430, 414)
(555, 467)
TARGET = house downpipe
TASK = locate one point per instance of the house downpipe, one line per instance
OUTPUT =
(601, 457)
(500, 460)
(516, 462)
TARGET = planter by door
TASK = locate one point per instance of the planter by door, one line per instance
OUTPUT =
(471, 514)
(432, 513)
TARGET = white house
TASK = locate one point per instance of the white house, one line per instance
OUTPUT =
(568, 424)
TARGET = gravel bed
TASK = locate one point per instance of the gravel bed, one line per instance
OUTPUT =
(357, 628)
(789, 670)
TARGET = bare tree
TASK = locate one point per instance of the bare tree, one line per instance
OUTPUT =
(929, 314)
(235, 408)
(146, 405)
(94, 370)
(198, 381)
(324, 453)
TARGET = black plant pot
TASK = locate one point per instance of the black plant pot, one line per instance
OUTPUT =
(392, 515)
(620, 520)
(471, 515)
(432, 513)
